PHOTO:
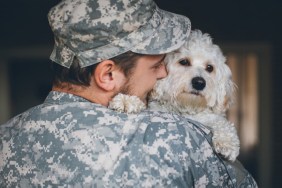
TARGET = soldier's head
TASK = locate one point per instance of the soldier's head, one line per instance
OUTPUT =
(104, 43)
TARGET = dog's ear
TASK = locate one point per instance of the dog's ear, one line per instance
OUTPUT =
(226, 91)
(229, 98)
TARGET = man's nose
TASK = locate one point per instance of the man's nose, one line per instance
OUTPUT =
(162, 72)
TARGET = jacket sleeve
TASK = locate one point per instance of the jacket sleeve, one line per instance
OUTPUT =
(235, 171)
(184, 152)
(239, 174)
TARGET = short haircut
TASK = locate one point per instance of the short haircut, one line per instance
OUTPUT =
(81, 76)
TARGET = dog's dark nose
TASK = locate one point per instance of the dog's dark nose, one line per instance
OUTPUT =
(198, 83)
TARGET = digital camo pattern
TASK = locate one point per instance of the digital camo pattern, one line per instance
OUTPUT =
(69, 142)
(95, 30)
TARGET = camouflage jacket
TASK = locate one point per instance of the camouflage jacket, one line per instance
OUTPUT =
(70, 142)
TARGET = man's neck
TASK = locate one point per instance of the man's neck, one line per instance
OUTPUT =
(89, 93)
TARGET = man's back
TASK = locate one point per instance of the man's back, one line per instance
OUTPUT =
(70, 141)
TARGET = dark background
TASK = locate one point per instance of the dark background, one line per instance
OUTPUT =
(24, 23)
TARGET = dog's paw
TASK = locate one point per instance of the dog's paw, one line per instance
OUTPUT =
(227, 145)
(126, 103)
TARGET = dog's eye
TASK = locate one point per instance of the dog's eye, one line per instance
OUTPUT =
(185, 62)
(209, 68)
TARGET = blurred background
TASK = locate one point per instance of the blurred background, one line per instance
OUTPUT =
(249, 33)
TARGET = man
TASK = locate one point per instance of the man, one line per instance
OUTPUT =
(73, 140)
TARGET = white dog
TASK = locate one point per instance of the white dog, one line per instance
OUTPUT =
(198, 86)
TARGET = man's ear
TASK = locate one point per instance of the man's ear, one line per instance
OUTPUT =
(104, 75)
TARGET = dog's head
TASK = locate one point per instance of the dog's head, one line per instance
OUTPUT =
(198, 78)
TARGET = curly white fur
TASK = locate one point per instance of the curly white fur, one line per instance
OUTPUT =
(126, 103)
(198, 86)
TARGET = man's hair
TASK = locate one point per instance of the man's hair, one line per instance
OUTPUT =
(81, 76)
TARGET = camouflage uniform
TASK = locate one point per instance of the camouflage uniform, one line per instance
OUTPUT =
(70, 142)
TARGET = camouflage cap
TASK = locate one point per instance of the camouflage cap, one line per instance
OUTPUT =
(95, 30)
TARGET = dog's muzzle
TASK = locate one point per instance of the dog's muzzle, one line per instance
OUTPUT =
(198, 83)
